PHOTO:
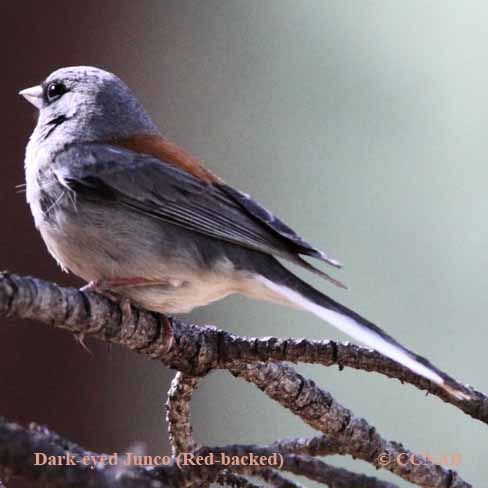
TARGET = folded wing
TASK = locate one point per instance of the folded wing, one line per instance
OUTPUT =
(162, 191)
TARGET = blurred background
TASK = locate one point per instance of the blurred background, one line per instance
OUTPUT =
(361, 123)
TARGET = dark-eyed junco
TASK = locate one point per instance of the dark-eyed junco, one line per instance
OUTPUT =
(132, 213)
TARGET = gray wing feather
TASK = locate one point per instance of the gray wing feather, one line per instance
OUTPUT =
(160, 190)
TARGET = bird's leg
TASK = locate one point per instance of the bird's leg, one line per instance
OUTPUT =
(167, 332)
(104, 285)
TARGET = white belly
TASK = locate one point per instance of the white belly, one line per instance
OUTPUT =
(188, 287)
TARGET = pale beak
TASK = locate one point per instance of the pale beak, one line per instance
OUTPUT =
(33, 95)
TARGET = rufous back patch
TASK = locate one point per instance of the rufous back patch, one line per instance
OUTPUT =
(168, 152)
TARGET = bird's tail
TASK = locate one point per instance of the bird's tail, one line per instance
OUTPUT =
(284, 287)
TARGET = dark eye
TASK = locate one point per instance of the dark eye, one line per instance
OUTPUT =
(54, 91)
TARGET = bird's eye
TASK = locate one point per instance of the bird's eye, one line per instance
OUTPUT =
(54, 91)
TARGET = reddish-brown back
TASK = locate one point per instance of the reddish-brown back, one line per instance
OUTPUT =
(168, 152)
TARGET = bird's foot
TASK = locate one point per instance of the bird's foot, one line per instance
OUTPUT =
(80, 339)
(105, 287)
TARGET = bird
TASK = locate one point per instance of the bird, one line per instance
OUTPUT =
(135, 215)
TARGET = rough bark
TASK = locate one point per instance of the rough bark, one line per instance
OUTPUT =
(196, 350)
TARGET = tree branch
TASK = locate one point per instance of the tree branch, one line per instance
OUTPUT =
(359, 439)
(196, 349)
(18, 444)
(227, 478)
(274, 478)
(178, 413)
(320, 445)
(180, 434)
(311, 468)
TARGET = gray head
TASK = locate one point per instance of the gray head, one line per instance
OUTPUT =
(83, 103)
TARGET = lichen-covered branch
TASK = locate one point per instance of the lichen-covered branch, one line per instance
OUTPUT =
(306, 466)
(227, 478)
(357, 437)
(320, 445)
(179, 418)
(180, 434)
(178, 413)
(18, 445)
(274, 478)
(195, 349)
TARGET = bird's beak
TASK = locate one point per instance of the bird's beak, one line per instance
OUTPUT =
(33, 95)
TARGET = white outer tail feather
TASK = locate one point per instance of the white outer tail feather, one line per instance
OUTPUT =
(354, 329)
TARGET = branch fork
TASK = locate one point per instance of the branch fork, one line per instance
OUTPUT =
(194, 351)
